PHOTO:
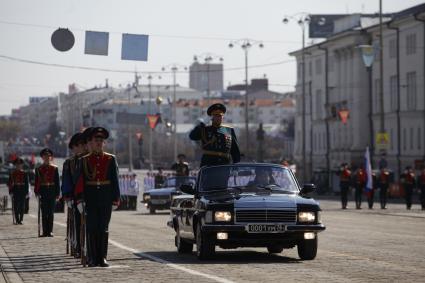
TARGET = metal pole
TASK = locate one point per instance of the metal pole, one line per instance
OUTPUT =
(151, 130)
(130, 150)
(174, 69)
(381, 70)
(208, 82)
(246, 101)
(304, 174)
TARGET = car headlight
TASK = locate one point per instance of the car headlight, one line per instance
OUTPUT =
(222, 216)
(306, 216)
(146, 197)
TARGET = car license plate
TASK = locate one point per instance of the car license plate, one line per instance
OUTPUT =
(265, 228)
(159, 201)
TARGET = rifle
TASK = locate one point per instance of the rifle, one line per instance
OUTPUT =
(13, 211)
(39, 210)
(83, 234)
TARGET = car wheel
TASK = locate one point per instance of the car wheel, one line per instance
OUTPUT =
(307, 249)
(274, 249)
(205, 247)
(183, 247)
(152, 210)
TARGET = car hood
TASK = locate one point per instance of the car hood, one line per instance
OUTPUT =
(162, 191)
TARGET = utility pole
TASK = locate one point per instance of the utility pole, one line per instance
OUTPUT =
(381, 73)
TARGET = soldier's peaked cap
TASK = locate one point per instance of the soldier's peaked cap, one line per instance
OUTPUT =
(99, 132)
(18, 161)
(181, 155)
(76, 139)
(216, 106)
(46, 151)
(86, 133)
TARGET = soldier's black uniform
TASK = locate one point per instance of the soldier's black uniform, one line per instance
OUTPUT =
(408, 181)
(383, 183)
(421, 185)
(181, 168)
(19, 188)
(47, 188)
(219, 143)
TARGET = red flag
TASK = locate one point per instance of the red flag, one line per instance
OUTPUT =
(343, 114)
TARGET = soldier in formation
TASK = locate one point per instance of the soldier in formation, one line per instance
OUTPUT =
(218, 142)
(344, 183)
(18, 190)
(47, 190)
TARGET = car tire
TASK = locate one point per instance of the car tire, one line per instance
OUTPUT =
(183, 247)
(205, 247)
(307, 249)
(275, 249)
(152, 210)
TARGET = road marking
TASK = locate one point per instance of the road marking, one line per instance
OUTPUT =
(159, 260)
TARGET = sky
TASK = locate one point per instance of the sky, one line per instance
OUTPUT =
(177, 31)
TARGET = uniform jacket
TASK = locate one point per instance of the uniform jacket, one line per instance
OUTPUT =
(384, 178)
(182, 169)
(47, 183)
(70, 172)
(421, 181)
(18, 183)
(408, 179)
(98, 183)
(221, 140)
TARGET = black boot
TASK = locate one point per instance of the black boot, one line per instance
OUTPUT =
(91, 250)
(103, 249)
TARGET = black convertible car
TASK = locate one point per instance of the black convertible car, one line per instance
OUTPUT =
(246, 205)
(160, 198)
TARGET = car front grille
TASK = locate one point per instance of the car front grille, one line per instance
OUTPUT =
(265, 216)
(161, 197)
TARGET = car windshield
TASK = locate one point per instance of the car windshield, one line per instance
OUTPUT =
(247, 178)
(177, 181)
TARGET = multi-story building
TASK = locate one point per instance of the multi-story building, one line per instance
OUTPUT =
(206, 77)
(337, 80)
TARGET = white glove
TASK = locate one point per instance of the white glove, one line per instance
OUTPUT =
(69, 203)
(80, 207)
(114, 207)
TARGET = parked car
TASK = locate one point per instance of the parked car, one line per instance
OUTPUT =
(246, 205)
(160, 199)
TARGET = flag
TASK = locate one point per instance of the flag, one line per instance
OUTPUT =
(134, 47)
(368, 168)
(153, 119)
(96, 43)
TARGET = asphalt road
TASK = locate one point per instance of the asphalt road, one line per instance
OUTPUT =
(357, 246)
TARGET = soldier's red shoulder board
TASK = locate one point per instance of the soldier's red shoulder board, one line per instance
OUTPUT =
(226, 126)
(109, 155)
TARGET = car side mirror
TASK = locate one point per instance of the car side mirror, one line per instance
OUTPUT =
(187, 189)
(308, 188)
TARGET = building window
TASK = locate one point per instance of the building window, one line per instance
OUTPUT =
(391, 139)
(331, 63)
(411, 90)
(310, 68)
(404, 139)
(375, 103)
(393, 93)
(411, 44)
(318, 65)
(318, 104)
(419, 139)
(393, 48)
(411, 138)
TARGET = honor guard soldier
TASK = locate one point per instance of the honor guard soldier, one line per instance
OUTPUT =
(218, 142)
(69, 178)
(98, 189)
(18, 190)
(47, 189)
(421, 185)
(383, 183)
(408, 181)
(344, 183)
(359, 184)
(159, 179)
(181, 167)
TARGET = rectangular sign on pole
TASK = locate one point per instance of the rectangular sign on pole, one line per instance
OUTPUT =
(96, 43)
(382, 141)
(134, 47)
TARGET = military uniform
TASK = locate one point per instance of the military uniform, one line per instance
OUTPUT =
(219, 143)
(383, 183)
(181, 168)
(421, 185)
(359, 184)
(19, 189)
(98, 188)
(344, 183)
(47, 188)
(408, 181)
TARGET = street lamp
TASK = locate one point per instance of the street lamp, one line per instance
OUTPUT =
(303, 19)
(174, 68)
(246, 44)
(150, 77)
(208, 58)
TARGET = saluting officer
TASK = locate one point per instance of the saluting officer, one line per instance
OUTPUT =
(218, 142)
(18, 189)
(344, 183)
(181, 167)
(98, 188)
(383, 183)
(408, 181)
(69, 178)
(47, 188)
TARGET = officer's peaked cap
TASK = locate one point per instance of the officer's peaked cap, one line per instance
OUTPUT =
(99, 132)
(46, 151)
(216, 106)
(76, 139)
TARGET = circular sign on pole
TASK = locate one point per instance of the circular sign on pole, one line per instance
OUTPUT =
(62, 39)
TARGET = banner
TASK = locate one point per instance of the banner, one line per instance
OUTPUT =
(153, 119)
(343, 114)
(368, 168)
(134, 47)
